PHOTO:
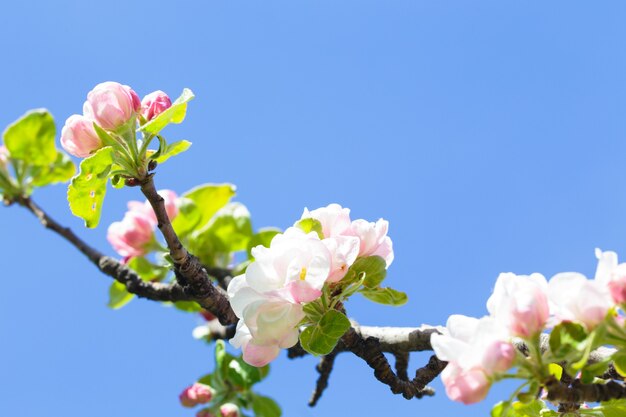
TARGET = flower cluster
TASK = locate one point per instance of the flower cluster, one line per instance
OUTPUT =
(294, 270)
(479, 350)
(111, 106)
(134, 235)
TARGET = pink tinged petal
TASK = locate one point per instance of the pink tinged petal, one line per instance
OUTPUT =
(448, 348)
(302, 292)
(343, 251)
(617, 287)
(262, 276)
(78, 136)
(385, 251)
(335, 220)
(498, 357)
(607, 262)
(468, 387)
(259, 355)
(188, 397)
(244, 297)
(242, 336)
(462, 327)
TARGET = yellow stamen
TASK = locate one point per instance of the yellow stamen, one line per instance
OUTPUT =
(302, 274)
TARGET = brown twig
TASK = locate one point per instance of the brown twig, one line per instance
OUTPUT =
(324, 368)
(577, 392)
(402, 365)
(190, 273)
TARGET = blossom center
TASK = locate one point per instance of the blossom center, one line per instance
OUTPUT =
(302, 274)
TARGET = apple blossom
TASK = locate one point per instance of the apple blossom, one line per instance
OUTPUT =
(575, 298)
(335, 220)
(131, 236)
(196, 394)
(520, 303)
(478, 350)
(111, 105)
(374, 239)
(229, 410)
(268, 322)
(78, 136)
(154, 104)
(296, 264)
(612, 274)
(343, 251)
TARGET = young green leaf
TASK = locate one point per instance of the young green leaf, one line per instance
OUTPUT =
(173, 149)
(321, 338)
(374, 267)
(567, 341)
(387, 296)
(209, 198)
(262, 237)
(61, 170)
(87, 189)
(118, 295)
(31, 138)
(310, 225)
(228, 231)
(265, 406)
(175, 114)
(614, 408)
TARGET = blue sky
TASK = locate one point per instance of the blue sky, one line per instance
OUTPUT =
(490, 134)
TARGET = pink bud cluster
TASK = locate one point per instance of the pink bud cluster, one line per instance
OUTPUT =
(111, 106)
(134, 235)
(268, 298)
(196, 394)
(524, 306)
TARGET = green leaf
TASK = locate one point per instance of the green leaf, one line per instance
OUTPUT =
(242, 374)
(265, 407)
(619, 361)
(188, 217)
(87, 189)
(118, 295)
(321, 338)
(175, 114)
(209, 198)
(314, 311)
(31, 138)
(387, 296)
(555, 370)
(147, 270)
(262, 237)
(228, 231)
(173, 149)
(519, 409)
(374, 267)
(590, 371)
(61, 170)
(310, 225)
(567, 341)
(614, 408)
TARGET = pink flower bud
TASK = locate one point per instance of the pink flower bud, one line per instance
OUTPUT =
(131, 236)
(196, 394)
(111, 105)
(229, 410)
(467, 387)
(78, 137)
(204, 413)
(374, 239)
(154, 104)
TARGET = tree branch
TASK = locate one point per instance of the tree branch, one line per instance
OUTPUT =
(324, 368)
(190, 273)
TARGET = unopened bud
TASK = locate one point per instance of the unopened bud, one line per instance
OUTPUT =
(204, 413)
(229, 410)
(152, 165)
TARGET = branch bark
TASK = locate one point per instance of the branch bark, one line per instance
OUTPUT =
(190, 273)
